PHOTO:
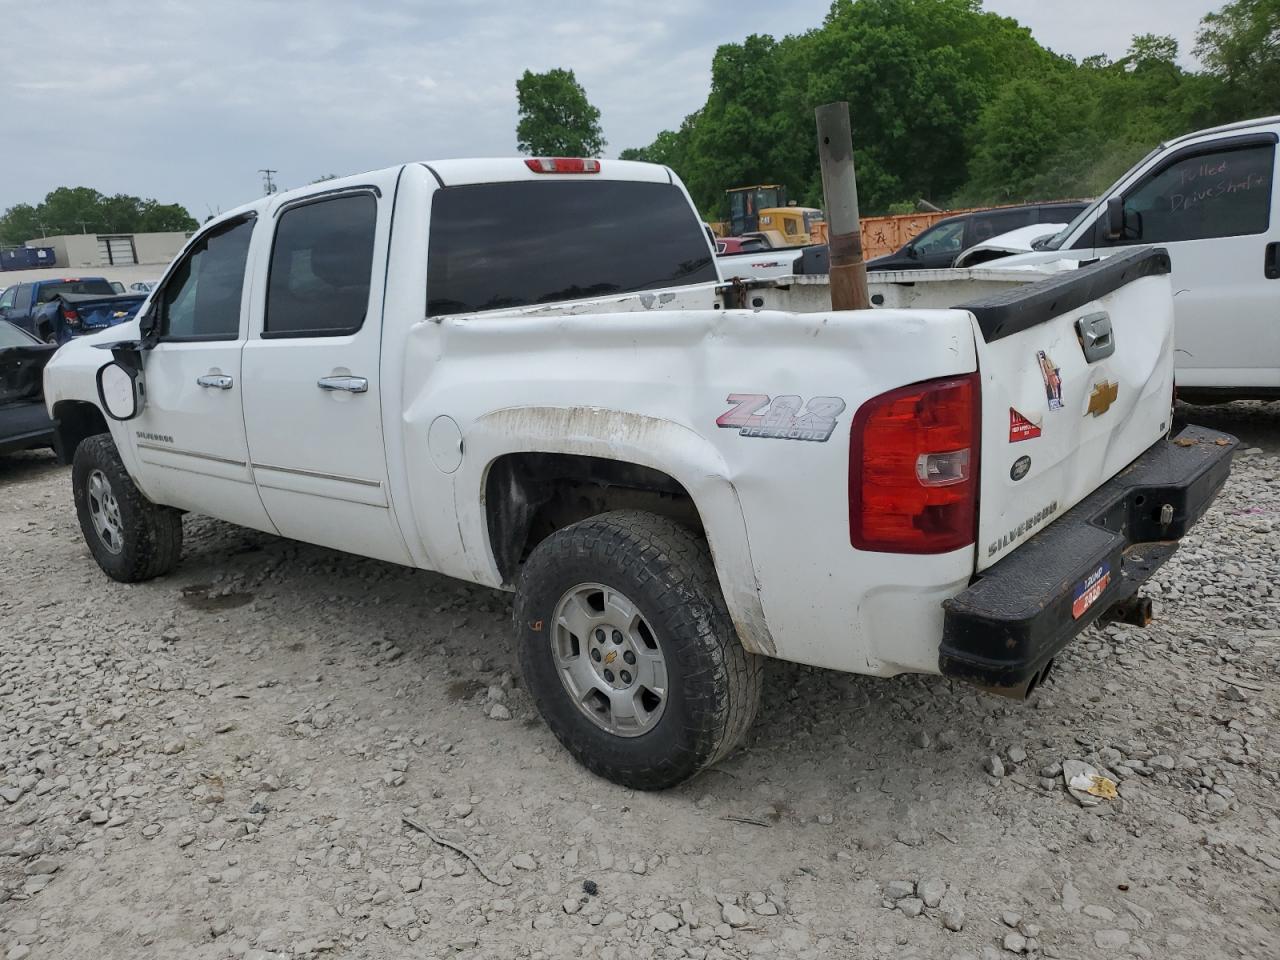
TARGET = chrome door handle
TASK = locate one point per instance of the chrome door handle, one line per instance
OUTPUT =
(219, 380)
(349, 384)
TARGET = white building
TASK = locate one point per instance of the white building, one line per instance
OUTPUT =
(114, 249)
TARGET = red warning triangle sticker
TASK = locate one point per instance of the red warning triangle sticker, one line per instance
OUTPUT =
(1020, 428)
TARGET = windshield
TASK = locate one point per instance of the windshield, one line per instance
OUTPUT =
(1087, 213)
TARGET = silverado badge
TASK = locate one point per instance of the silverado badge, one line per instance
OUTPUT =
(1102, 397)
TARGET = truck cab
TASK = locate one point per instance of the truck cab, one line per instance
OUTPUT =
(1212, 200)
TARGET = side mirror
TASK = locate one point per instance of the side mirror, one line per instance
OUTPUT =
(120, 390)
(1115, 218)
(912, 252)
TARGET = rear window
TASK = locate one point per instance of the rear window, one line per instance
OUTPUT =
(97, 288)
(501, 245)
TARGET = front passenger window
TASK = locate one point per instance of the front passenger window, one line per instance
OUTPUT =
(201, 301)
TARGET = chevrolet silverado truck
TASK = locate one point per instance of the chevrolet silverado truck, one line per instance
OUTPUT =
(56, 310)
(528, 374)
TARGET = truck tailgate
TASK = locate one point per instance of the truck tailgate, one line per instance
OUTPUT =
(1077, 382)
(98, 313)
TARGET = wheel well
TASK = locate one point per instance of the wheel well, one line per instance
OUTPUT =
(74, 422)
(529, 496)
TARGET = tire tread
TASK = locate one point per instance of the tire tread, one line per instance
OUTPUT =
(727, 679)
(155, 530)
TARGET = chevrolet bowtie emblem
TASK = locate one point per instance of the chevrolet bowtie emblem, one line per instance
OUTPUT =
(609, 657)
(1102, 397)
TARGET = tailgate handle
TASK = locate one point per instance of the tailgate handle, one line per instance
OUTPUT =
(1095, 336)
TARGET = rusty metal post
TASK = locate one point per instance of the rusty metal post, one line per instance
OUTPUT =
(840, 190)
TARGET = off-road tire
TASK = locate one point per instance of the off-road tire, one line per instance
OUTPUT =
(667, 572)
(151, 542)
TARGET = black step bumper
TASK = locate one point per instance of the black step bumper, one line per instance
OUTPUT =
(1003, 631)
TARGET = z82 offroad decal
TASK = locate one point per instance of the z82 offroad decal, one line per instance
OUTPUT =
(755, 415)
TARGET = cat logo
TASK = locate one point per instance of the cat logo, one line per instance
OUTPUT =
(1102, 397)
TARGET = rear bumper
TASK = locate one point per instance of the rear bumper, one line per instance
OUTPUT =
(1005, 628)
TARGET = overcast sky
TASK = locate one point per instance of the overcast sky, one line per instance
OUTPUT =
(185, 101)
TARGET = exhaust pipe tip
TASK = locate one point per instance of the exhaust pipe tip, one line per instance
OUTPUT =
(1025, 689)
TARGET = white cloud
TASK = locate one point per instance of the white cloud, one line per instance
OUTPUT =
(186, 101)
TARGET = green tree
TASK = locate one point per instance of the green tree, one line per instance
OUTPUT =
(85, 210)
(959, 106)
(1240, 45)
(556, 119)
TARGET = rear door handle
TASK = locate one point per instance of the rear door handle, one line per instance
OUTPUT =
(1272, 268)
(349, 384)
(219, 381)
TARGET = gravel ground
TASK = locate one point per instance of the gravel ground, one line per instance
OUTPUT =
(224, 763)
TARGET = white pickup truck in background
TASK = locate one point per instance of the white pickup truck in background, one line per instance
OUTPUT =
(529, 375)
(1211, 199)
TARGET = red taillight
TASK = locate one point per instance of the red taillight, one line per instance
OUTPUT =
(69, 314)
(563, 165)
(913, 468)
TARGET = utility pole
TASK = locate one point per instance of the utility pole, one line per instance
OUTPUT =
(840, 190)
(268, 185)
(84, 225)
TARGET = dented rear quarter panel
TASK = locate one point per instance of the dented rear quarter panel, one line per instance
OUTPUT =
(647, 386)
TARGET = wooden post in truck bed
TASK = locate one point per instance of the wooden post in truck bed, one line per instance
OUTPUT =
(840, 190)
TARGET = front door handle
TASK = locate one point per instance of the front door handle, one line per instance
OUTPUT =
(1272, 261)
(349, 384)
(219, 381)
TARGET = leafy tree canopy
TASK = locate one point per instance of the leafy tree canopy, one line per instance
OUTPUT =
(556, 118)
(959, 106)
(1240, 46)
(85, 210)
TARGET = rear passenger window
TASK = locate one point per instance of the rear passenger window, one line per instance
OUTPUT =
(1223, 193)
(502, 245)
(321, 265)
(201, 300)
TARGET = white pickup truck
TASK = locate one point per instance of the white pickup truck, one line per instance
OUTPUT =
(1211, 200)
(528, 374)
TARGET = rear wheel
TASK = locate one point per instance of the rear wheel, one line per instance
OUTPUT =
(132, 538)
(629, 653)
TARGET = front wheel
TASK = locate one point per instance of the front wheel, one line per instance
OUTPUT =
(132, 538)
(629, 652)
